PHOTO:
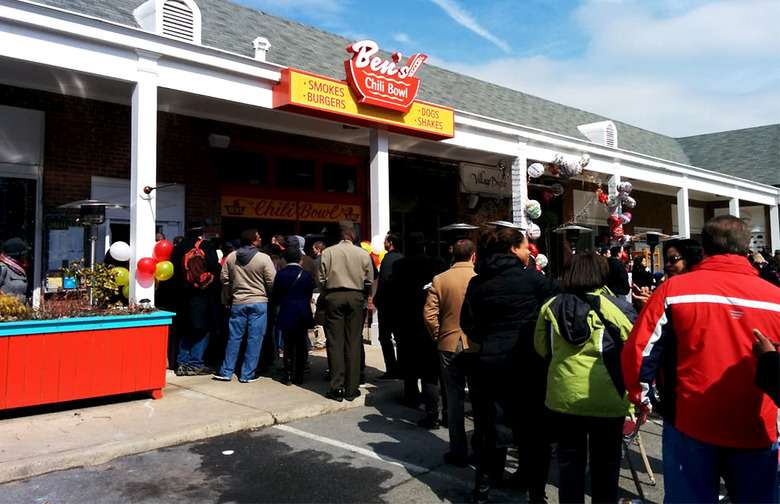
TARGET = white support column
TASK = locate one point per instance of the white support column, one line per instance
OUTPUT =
(774, 226)
(520, 185)
(380, 196)
(613, 182)
(380, 183)
(683, 210)
(734, 206)
(143, 171)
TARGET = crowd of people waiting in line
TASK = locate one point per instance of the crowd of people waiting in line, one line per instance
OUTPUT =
(544, 362)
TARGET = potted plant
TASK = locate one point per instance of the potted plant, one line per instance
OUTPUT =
(81, 343)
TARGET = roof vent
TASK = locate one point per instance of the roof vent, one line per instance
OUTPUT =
(602, 133)
(262, 46)
(179, 19)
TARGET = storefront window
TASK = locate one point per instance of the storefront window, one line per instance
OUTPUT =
(338, 177)
(243, 166)
(295, 173)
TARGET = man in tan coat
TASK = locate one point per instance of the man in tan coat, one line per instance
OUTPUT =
(346, 276)
(442, 318)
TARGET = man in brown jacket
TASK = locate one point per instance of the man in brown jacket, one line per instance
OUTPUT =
(442, 318)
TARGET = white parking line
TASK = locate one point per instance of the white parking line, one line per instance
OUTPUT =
(412, 468)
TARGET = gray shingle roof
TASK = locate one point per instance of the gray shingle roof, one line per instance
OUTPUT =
(753, 150)
(232, 27)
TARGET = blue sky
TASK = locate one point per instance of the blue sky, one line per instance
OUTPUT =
(676, 67)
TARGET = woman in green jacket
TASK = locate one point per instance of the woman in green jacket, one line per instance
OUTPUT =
(581, 334)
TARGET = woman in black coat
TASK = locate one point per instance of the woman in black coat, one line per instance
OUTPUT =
(499, 312)
(293, 288)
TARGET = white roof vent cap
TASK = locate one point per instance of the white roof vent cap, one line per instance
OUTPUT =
(262, 46)
(602, 133)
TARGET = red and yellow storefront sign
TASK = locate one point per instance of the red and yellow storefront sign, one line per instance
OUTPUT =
(323, 97)
(277, 209)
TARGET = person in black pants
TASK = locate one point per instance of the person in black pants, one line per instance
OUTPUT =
(499, 313)
(292, 293)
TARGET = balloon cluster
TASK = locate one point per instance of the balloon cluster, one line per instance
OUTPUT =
(376, 247)
(147, 269)
(617, 217)
(562, 169)
(559, 167)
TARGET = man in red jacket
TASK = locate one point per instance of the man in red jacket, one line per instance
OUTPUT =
(693, 339)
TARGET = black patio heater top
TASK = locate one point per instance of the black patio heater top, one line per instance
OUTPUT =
(573, 233)
(92, 213)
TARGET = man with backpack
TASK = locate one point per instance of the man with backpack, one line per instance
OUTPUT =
(196, 272)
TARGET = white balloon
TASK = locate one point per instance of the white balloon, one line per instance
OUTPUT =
(534, 231)
(541, 260)
(120, 251)
(377, 244)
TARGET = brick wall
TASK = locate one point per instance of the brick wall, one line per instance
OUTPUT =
(87, 137)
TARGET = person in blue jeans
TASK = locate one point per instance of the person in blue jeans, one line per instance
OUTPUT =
(196, 309)
(249, 275)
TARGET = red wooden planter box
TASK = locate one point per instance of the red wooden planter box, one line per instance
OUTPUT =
(49, 361)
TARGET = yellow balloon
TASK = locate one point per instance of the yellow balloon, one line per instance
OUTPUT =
(121, 275)
(366, 246)
(126, 291)
(163, 271)
(382, 256)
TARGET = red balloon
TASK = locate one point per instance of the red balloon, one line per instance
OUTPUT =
(162, 250)
(538, 267)
(533, 248)
(614, 221)
(547, 195)
(143, 279)
(146, 266)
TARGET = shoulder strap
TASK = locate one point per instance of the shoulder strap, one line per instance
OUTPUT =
(197, 243)
(292, 285)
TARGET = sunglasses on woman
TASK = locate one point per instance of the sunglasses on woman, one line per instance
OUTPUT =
(673, 259)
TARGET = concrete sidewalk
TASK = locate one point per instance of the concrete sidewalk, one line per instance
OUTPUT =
(192, 408)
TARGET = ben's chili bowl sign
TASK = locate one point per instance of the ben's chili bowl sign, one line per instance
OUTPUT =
(382, 82)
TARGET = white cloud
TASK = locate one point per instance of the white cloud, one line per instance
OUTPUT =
(464, 18)
(713, 68)
(402, 38)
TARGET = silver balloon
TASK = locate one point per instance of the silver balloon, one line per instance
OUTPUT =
(536, 170)
(629, 202)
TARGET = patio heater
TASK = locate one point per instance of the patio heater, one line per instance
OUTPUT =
(92, 213)
(572, 234)
(653, 238)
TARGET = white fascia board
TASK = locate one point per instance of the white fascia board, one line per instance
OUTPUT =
(57, 50)
(544, 145)
(469, 138)
(178, 76)
(76, 31)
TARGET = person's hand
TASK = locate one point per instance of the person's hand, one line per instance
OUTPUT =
(762, 344)
(641, 296)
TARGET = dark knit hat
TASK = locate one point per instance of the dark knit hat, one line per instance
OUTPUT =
(15, 247)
